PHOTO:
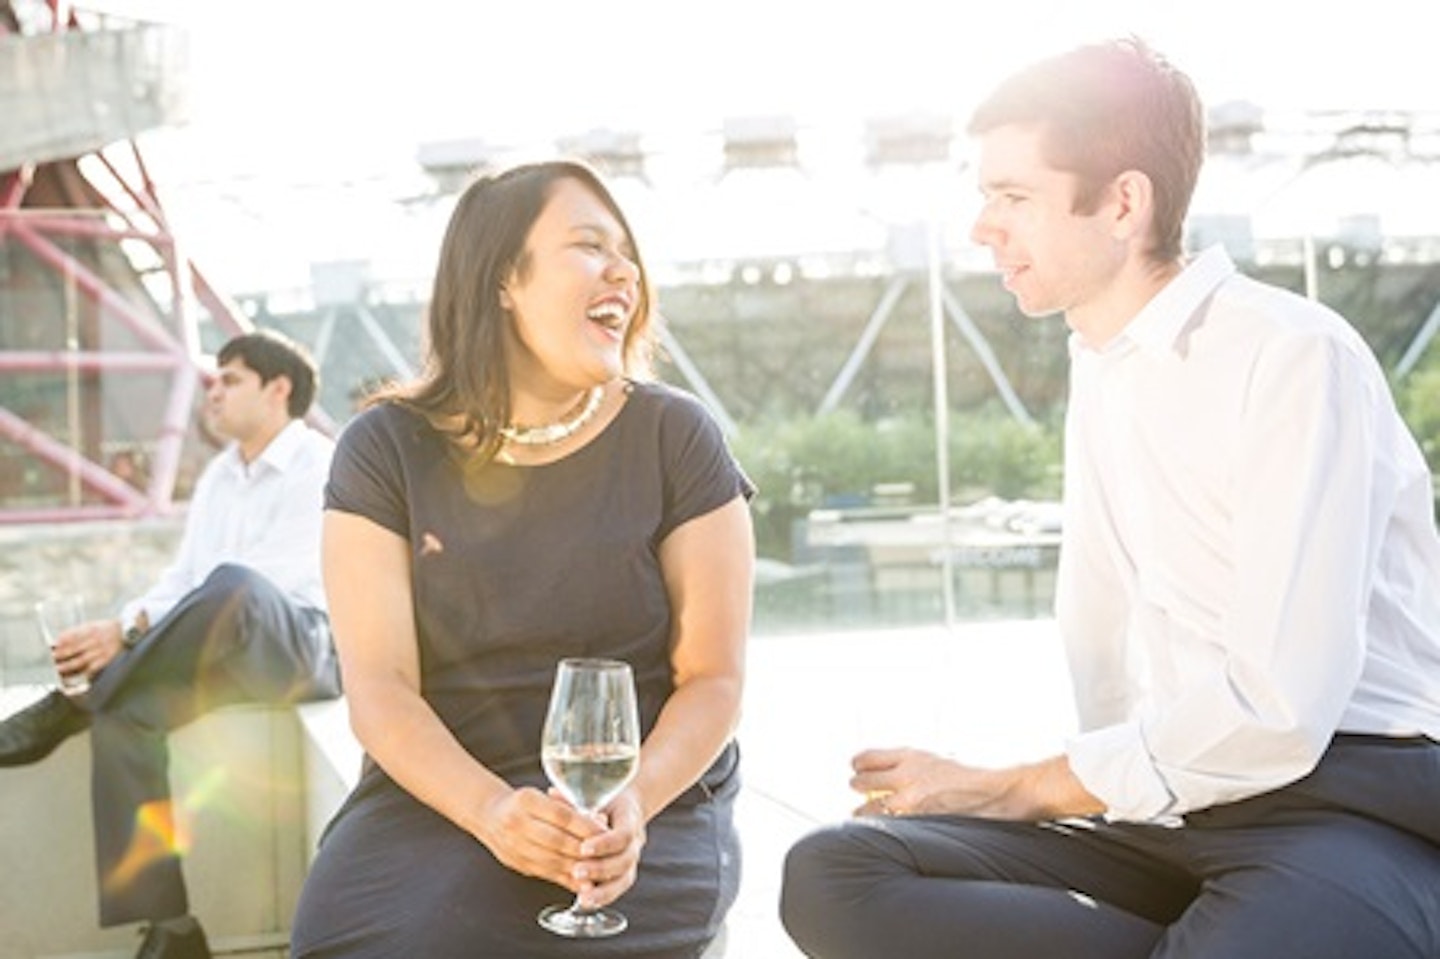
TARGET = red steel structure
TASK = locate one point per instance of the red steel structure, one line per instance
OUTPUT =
(96, 291)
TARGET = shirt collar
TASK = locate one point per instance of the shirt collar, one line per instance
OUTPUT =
(277, 455)
(1158, 326)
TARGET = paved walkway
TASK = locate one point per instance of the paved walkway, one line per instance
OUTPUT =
(990, 693)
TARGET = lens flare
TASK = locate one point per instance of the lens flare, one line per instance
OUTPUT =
(162, 832)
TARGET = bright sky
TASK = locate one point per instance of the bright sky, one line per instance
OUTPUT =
(325, 93)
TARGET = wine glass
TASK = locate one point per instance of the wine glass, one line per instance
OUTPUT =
(590, 750)
(56, 614)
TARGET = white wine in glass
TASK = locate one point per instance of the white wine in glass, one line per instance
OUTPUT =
(590, 750)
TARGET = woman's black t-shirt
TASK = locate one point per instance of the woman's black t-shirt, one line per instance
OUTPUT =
(516, 567)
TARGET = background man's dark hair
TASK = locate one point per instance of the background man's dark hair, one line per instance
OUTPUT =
(271, 354)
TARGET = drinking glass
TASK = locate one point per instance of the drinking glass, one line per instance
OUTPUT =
(590, 750)
(56, 614)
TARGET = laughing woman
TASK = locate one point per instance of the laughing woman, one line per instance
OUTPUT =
(533, 496)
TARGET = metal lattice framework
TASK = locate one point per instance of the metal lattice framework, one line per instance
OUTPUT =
(166, 339)
(92, 255)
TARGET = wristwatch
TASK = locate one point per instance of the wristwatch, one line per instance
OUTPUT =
(135, 631)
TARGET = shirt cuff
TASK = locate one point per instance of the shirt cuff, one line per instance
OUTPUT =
(1114, 765)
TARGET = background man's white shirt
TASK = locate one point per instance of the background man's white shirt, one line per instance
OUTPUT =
(265, 515)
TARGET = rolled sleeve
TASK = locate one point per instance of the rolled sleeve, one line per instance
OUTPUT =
(1115, 766)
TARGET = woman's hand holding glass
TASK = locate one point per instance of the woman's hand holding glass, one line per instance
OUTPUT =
(608, 861)
(536, 834)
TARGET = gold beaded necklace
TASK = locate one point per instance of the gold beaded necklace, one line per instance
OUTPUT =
(552, 433)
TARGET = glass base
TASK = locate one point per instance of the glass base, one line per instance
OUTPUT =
(575, 923)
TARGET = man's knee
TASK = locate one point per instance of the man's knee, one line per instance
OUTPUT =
(831, 876)
(239, 594)
(236, 582)
(811, 857)
(805, 883)
(815, 869)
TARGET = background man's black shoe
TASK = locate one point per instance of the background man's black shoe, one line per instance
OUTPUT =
(174, 939)
(35, 731)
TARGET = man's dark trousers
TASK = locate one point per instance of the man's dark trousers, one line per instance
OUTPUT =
(234, 639)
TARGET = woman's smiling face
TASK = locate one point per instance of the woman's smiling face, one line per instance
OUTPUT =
(572, 294)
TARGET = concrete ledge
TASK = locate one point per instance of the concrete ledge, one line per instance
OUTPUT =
(239, 784)
(332, 757)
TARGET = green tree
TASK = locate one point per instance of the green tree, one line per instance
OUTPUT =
(1419, 401)
(807, 462)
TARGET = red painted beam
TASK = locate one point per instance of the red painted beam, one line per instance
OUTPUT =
(40, 361)
(67, 458)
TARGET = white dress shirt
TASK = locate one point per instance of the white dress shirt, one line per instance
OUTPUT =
(265, 515)
(1250, 561)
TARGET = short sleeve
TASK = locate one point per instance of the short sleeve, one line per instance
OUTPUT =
(367, 477)
(701, 475)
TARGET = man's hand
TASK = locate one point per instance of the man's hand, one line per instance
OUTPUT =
(914, 782)
(88, 648)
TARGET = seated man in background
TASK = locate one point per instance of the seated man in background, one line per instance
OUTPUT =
(239, 616)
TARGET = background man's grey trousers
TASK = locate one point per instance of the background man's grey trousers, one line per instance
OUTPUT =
(236, 638)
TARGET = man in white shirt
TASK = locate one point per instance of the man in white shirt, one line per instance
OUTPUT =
(239, 616)
(1249, 594)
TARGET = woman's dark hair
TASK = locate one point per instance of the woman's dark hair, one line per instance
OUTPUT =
(465, 377)
(271, 354)
(1106, 108)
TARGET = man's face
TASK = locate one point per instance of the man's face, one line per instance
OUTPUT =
(240, 407)
(1051, 258)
